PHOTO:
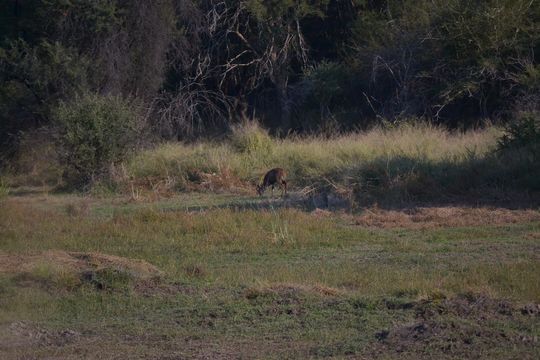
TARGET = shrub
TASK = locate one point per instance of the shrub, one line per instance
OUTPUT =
(327, 79)
(95, 131)
(523, 135)
(36, 161)
(250, 138)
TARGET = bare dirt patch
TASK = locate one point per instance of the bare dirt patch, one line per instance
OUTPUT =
(461, 327)
(433, 217)
(22, 333)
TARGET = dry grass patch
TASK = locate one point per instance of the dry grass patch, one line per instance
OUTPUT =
(439, 217)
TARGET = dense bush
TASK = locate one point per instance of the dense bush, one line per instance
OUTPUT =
(519, 147)
(319, 67)
(296, 64)
(4, 189)
(523, 134)
(95, 131)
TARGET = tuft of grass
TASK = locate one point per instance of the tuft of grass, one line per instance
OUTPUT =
(54, 276)
(249, 138)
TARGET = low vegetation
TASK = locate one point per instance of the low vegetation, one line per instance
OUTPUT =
(156, 281)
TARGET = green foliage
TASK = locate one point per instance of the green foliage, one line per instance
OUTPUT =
(279, 9)
(44, 47)
(530, 77)
(523, 134)
(452, 59)
(34, 78)
(94, 18)
(328, 79)
(95, 131)
(45, 71)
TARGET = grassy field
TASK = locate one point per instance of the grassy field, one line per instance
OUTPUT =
(203, 275)
(413, 242)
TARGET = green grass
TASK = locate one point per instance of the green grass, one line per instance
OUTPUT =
(266, 283)
(288, 246)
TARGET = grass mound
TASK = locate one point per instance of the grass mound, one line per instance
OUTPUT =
(68, 270)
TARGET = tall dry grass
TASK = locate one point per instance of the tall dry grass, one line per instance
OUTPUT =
(408, 162)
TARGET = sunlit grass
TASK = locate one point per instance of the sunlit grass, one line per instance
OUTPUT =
(305, 158)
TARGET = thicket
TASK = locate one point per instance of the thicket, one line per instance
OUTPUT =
(198, 68)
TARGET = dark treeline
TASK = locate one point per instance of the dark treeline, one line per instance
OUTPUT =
(188, 67)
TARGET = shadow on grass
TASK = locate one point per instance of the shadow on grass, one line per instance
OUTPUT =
(511, 181)
(291, 201)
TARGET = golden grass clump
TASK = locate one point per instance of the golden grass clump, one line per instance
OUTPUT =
(252, 139)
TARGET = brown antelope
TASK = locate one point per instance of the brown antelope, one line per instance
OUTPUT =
(272, 178)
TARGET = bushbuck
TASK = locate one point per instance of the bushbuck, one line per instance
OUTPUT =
(272, 178)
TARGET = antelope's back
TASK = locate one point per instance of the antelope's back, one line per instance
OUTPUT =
(274, 176)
